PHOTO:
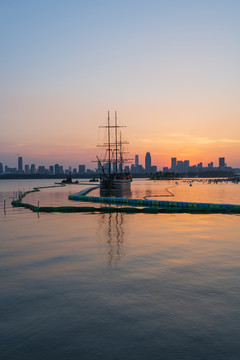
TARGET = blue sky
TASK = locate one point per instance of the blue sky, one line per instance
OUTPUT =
(170, 69)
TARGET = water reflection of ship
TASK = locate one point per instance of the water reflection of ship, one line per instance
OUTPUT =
(120, 193)
(115, 237)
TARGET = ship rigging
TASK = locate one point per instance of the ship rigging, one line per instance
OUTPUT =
(112, 175)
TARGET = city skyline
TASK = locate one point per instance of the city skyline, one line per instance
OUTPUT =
(170, 69)
(176, 166)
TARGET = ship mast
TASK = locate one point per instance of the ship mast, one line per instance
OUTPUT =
(109, 146)
(116, 146)
(121, 160)
(116, 141)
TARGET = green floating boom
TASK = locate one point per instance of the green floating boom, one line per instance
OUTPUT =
(157, 205)
(128, 205)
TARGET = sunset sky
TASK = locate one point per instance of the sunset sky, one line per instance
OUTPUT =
(171, 69)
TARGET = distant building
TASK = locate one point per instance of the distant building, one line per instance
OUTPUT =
(222, 162)
(51, 170)
(148, 162)
(173, 164)
(41, 170)
(180, 166)
(136, 169)
(33, 169)
(81, 169)
(1, 168)
(120, 168)
(115, 167)
(186, 166)
(136, 161)
(9, 170)
(26, 169)
(56, 169)
(153, 169)
(106, 167)
(20, 165)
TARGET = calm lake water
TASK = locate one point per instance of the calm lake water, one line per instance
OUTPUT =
(119, 286)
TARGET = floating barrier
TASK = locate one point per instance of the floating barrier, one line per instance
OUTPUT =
(160, 204)
(129, 206)
(130, 210)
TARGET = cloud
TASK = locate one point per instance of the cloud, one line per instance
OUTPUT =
(199, 140)
(203, 140)
(230, 140)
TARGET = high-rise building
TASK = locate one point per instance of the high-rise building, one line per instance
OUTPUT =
(186, 166)
(51, 170)
(41, 170)
(114, 164)
(120, 167)
(99, 168)
(148, 162)
(136, 168)
(180, 166)
(9, 170)
(33, 169)
(56, 169)
(106, 167)
(1, 168)
(173, 164)
(222, 162)
(153, 169)
(26, 169)
(81, 169)
(136, 161)
(20, 165)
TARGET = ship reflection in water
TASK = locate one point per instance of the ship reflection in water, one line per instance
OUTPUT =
(120, 193)
(114, 236)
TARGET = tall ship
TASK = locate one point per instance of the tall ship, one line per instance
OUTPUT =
(112, 175)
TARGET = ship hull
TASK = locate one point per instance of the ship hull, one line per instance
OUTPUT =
(115, 184)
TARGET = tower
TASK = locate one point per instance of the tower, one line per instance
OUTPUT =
(136, 164)
(148, 162)
(136, 161)
(20, 165)
(173, 164)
